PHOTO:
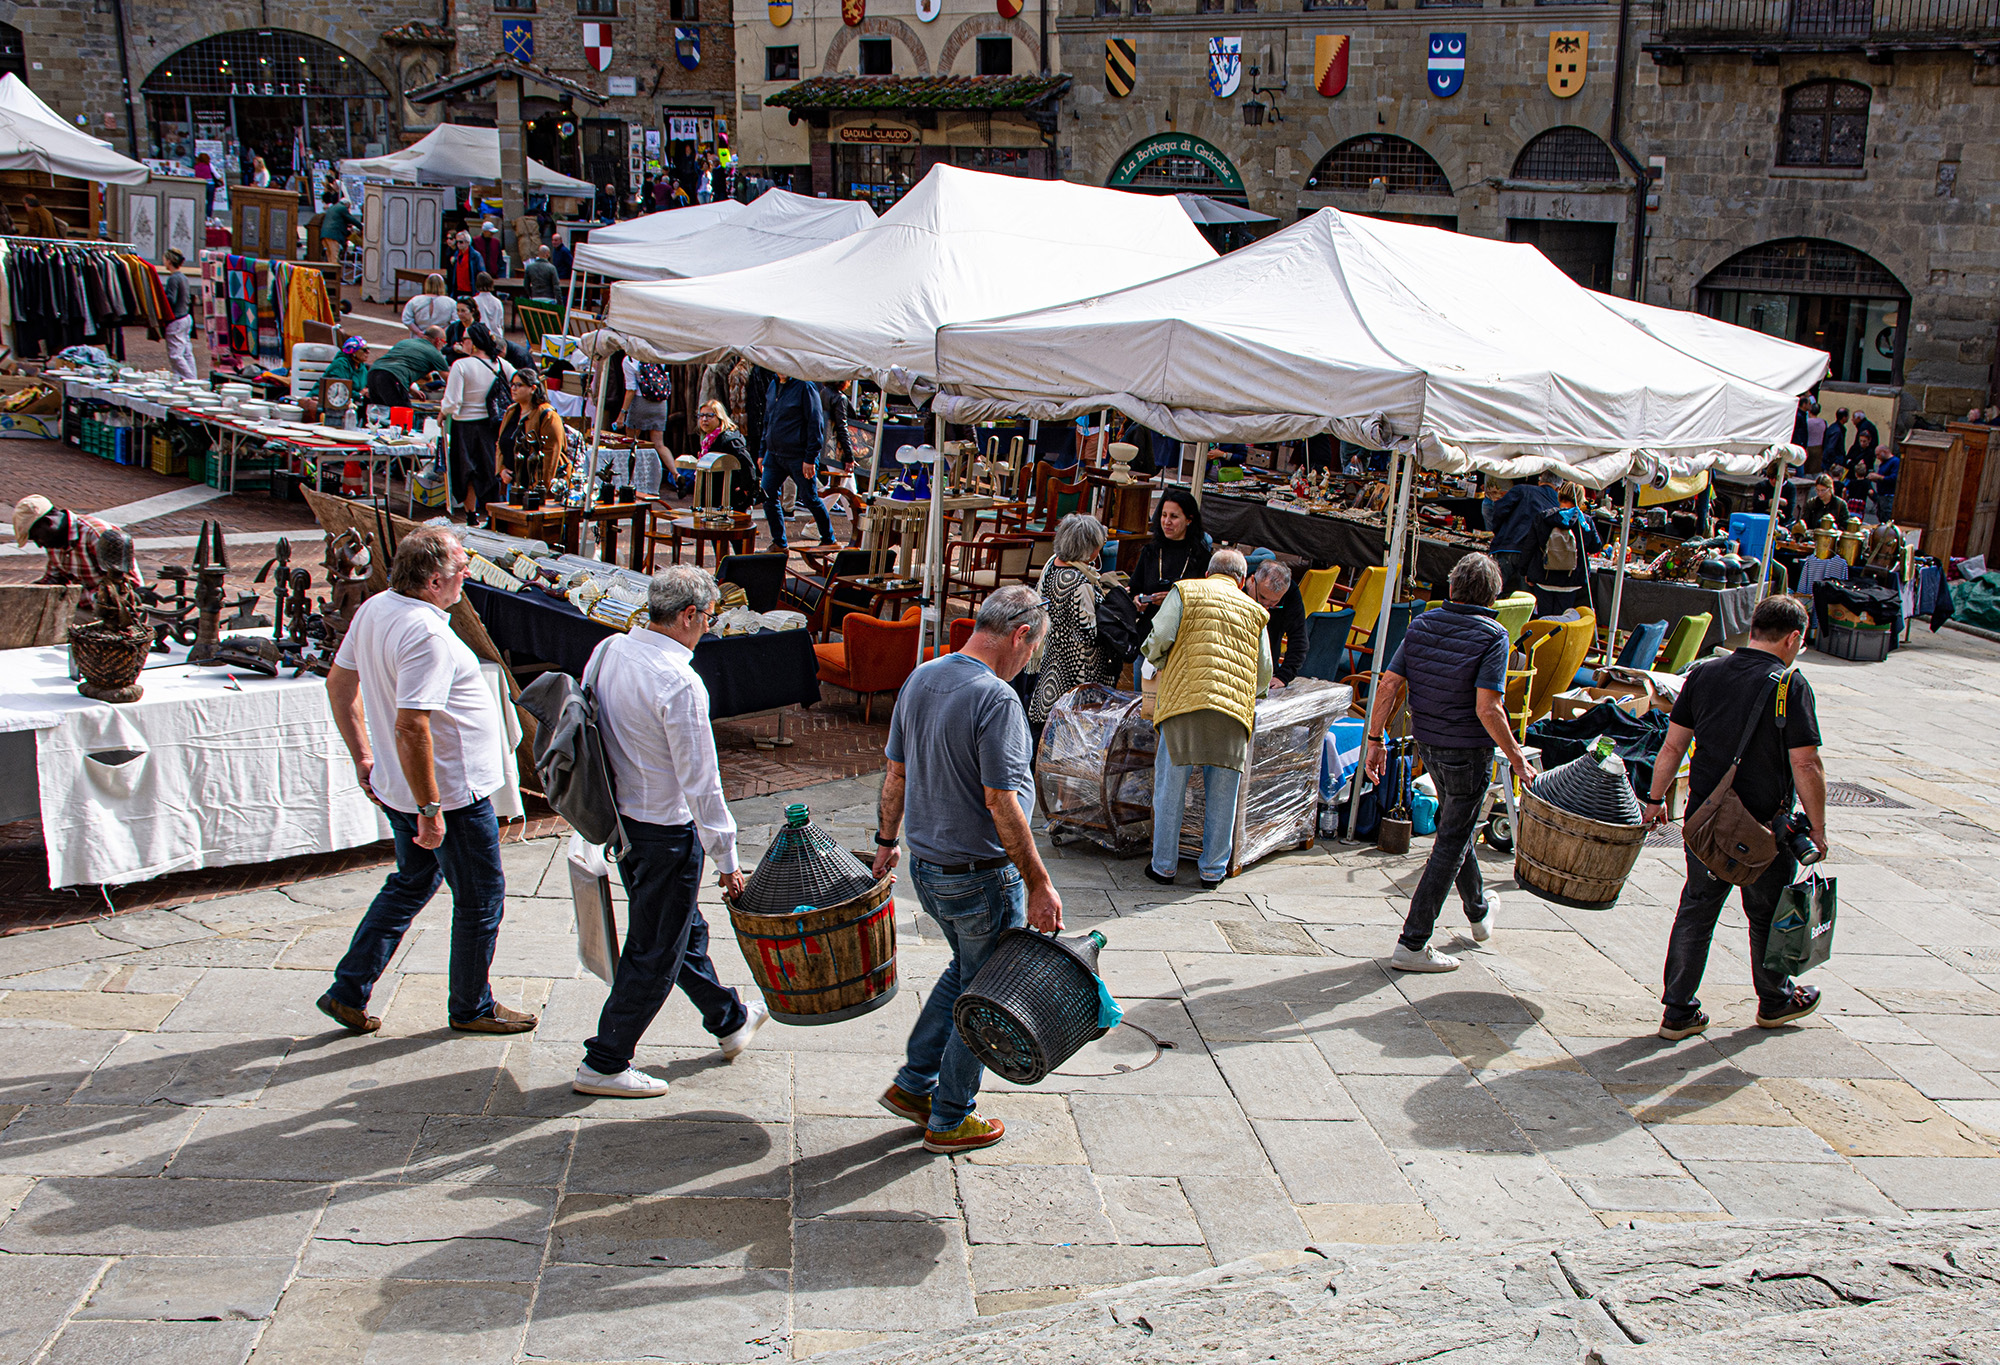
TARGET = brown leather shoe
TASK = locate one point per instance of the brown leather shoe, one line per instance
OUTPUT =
(904, 1105)
(502, 1020)
(348, 1017)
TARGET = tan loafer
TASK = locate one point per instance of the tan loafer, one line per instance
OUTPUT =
(502, 1020)
(348, 1017)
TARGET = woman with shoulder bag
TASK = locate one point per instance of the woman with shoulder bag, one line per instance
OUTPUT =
(473, 407)
(1072, 654)
(533, 442)
(719, 433)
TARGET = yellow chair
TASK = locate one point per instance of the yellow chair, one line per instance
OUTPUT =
(1366, 599)
(1515, 611)
(1556, 649)
(1316, 587)
(1684, 645)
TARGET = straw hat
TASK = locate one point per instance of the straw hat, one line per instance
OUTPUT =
(27, 512)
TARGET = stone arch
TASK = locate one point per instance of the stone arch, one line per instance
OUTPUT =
(1566, 154)
(875, 28)
(1404, 165)
(984, 25)
(148, 52)
(1899, 255)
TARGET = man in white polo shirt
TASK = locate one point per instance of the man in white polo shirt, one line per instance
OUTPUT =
(404, 686)
(652, 710)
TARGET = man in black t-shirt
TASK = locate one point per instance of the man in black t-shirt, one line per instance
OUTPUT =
(1782, 756)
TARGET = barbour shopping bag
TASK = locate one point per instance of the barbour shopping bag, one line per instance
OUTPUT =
(1802, 927)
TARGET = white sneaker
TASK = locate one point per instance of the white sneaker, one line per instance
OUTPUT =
(1429, 960)
(1482, 928)
(629, 1084)
(734, 1043)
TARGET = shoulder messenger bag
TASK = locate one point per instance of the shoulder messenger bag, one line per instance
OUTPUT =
(1729, 841)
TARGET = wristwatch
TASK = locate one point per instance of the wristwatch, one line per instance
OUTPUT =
(430, 810)
(880, 842)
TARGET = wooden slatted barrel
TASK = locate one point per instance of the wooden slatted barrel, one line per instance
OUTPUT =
(1571, 859)
(823, 965)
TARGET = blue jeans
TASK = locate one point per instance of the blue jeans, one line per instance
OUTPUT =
(666, 945)
(1218, 825)
(804, 477)
(469, 860)
(973, 910)
(1461, 777)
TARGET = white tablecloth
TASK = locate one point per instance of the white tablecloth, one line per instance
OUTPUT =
(197, 773)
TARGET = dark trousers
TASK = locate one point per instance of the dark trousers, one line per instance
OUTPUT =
(387, 390)
(1554, 601)
(1694, 928)
(803, 474)
(475, 463)
(1511, 565)
(469, 860)
(1462, 777)
(666, 945)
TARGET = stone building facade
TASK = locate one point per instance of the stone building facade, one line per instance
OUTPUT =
(242, 78)
(913, 44)
(1789, 166)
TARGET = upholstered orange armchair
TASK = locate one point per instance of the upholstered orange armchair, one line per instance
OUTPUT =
(873, 655)
(961, 631)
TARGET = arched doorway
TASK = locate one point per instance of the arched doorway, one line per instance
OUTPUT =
(1176, 163)
(1820, 294)
(267, 92)
(1552, 167)
(1383, 166)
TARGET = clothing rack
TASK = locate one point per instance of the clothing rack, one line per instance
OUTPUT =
(112, 328)
(96, 243)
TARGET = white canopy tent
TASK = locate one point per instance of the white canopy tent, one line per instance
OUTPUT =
(1762, 359)
(960, 245)
(1456, 352)
(776, 225)
(452, 154)
(34, 137)
(666, 225)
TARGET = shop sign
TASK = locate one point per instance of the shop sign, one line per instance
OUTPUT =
(878, 136)
(294, 89)
(1176, 144)
(624, 85)
(1569, 61)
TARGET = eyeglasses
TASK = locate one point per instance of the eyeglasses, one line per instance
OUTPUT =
(1039, 604)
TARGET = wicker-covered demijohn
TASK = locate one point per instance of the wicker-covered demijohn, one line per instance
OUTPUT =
(817, 927)
(1593, 787)
(1033, 1004)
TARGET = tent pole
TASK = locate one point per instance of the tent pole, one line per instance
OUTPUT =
(1618, 584)
(933, 614)
(1770, 531)
(875, 465)
(1398, 522)
(596, 435)
(1200, 469)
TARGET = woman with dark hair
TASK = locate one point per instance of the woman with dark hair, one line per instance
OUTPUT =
(1179, 549)
(475, 470)
(533, 442)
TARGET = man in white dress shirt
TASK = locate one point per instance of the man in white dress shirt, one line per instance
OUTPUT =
(652, 710)
(405, 687)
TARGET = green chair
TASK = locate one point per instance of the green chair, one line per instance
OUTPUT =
(538, 320)
(1684, 645)
(1515, 611)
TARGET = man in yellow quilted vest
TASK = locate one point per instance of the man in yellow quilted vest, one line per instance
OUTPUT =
(1208, 643)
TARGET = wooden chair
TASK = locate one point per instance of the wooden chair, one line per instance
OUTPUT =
(537, 320)
(1363, 659)
(1063, 499)
(1683, 647)
(809, 592)
(872, 656)
(1316, 587)
(974, 568)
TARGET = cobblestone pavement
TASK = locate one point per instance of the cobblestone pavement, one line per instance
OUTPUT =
(194, 1164)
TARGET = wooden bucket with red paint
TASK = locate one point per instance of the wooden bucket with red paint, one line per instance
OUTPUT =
(825, 965)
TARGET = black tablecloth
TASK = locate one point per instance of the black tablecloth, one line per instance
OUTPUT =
(744, 673)
(1646, 600)
(1326, 541)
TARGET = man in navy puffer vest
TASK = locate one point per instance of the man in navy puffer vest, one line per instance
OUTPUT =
(1453, 665)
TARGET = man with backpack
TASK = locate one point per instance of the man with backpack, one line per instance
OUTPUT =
(1513, 524)
(652, 716)
(649, 389)
(1750, 776)
(1565, 537)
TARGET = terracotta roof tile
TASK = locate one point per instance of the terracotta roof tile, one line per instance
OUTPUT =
(919, 92)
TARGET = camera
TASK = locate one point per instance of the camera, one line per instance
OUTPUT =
(1794, 833)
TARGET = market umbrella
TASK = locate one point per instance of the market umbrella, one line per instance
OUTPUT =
(1201, 209)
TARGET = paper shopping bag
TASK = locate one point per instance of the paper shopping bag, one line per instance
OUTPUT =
(1802, 927)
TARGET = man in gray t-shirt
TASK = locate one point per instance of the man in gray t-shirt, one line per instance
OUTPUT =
(959, 764)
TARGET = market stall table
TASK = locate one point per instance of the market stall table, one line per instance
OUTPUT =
(212, 767)
(1327, 541)
(736, 536)
(746, 674)
(548, 523)
(1648, 599)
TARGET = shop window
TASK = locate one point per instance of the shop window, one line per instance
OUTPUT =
(999, 160)
(1246, 6)
(1566, 156)
(684, 11)
(599, 7)
(1208, 6)
(878, 57)
(1825, 125)
(995, 56)
(877, 175)
(1108, 9)
(1402, 166)
(781, 63)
